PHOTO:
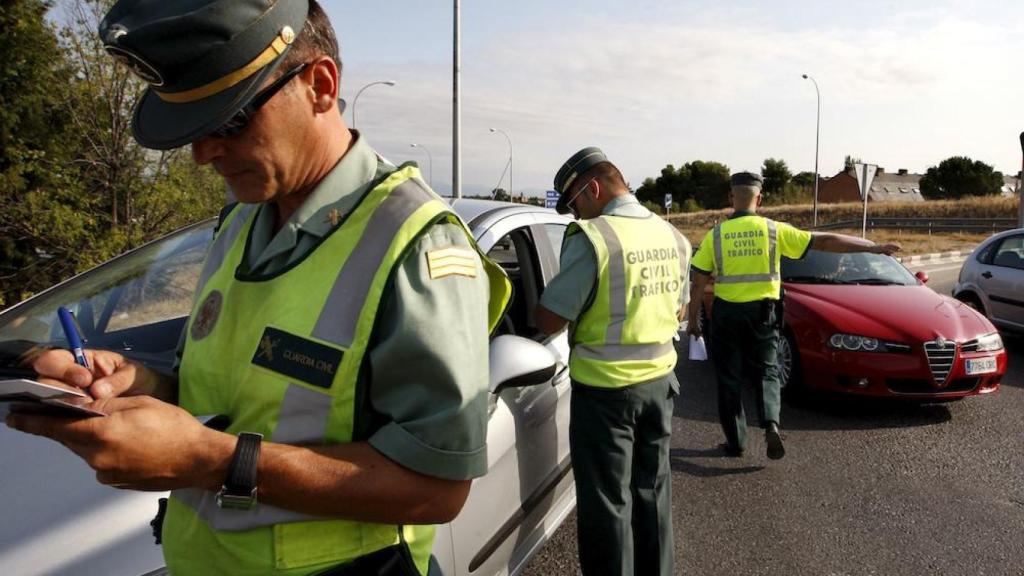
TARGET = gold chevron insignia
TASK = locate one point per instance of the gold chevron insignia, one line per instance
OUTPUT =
(451, 261)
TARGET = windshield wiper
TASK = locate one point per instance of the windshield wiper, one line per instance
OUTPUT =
(814, 280)
(876, 282)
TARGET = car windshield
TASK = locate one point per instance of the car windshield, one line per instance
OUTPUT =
(855, 268)
(123, 303)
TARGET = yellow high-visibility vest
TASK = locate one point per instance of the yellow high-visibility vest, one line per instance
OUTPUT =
(625, 336)
(240, 332)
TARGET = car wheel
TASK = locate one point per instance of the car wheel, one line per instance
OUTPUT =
(788, 362)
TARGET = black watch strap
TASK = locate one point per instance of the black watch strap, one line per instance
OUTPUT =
(239, 490)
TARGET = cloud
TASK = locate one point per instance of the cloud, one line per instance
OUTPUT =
(908, 91)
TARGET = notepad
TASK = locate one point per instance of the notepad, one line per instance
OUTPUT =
(25, 395)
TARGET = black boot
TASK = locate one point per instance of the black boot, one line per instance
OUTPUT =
(773, 440)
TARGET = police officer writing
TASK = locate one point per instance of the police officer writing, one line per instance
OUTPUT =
(622, 289)
(341, 318)
(744, 255)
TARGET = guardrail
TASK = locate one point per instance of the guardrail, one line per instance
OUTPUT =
(929, 225)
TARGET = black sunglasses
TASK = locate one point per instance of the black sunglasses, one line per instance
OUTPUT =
(238, 123)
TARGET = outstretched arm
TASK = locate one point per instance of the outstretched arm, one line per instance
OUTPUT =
(841, 243)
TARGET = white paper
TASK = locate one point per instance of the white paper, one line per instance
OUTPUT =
(698, 351)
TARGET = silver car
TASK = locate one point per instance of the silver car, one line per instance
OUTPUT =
(59, 520)
(992, 280)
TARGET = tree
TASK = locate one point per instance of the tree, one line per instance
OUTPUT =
(804, 180)
(710, 183)
(776, 176)
(959, 176)
(697, 184)
(75, 188)
(500, 194)
(34, 76)
(849, 161)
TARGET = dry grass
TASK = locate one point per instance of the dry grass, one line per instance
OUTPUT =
(696, 225)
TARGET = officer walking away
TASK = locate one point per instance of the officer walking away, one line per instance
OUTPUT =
(341, 318)
(744, 255)
(622, 289)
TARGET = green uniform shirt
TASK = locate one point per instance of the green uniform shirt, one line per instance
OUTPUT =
(571, 290)
(791, 242)
(425, 368)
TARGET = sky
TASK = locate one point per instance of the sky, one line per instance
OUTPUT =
(904, 84)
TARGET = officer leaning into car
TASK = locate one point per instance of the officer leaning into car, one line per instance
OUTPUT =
(744, 255)
(622, 289)
(341, 319)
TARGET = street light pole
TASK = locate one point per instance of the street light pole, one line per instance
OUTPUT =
(430, 162)
(817, 138)
(1020, 186)
(457, 106)
(507, 137)
(356, 99)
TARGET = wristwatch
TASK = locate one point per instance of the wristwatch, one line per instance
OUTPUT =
(239, 489)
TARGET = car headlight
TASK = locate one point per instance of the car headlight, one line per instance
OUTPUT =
(855, 343)
(989, 343)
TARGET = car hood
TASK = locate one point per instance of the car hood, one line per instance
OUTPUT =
(897, 313)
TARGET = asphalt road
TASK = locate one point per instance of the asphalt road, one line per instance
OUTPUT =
(872, 488)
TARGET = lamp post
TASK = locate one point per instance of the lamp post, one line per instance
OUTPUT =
(817, 137)
(457, 102)
(503, 133)
(1020, 186)
(430, 162)
(356, 99)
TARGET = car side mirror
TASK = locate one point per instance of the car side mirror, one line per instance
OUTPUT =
(922, 276)
(517, 361)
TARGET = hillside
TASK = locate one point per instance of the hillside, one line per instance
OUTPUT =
(696, 224)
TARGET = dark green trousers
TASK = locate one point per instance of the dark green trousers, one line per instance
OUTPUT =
(620, 457)
(745, 340)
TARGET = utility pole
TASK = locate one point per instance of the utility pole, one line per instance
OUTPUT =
(1020, 186)
(456, 109)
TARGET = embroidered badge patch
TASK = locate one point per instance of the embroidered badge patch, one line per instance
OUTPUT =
(451, 261)
(207, 316)
(296, 357)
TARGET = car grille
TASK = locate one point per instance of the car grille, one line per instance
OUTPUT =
(940, 359)
(969, 346)
(918, 386)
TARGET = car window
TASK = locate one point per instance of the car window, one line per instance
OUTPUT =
(146, 287)
(1010, 253)
(854, 268)
(517, 255)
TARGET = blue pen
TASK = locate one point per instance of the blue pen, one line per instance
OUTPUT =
(67, 322)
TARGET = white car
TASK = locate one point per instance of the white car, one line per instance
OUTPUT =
(992, 280)
(59, 520)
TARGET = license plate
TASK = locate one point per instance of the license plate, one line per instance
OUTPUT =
(981, 366)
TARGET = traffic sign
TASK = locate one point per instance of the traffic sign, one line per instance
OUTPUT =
(551, 198)
(668, 203)
(865, 174)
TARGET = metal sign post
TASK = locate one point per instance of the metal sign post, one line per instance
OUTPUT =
(865, 175)
(668, 204)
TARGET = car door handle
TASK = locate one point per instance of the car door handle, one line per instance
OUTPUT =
(986, 274)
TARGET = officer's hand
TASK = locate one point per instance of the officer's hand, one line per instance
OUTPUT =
(142, 443)
(112, 374)
(887, 249)
(693, 327)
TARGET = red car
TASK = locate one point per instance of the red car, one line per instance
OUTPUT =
(863, 324)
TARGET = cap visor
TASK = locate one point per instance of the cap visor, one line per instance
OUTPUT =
(562, 206)
(163, 125)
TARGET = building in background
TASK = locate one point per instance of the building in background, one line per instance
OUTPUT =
(899, 186)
